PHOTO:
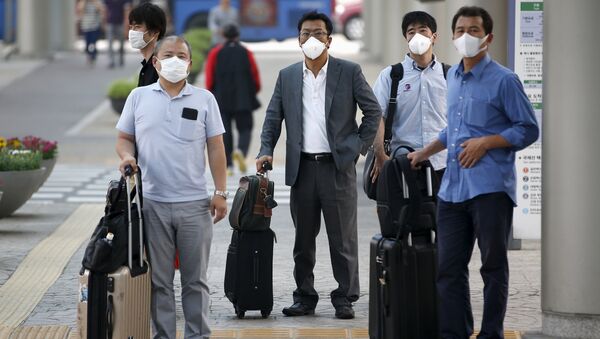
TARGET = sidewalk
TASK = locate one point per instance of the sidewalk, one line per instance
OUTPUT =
(33, 223)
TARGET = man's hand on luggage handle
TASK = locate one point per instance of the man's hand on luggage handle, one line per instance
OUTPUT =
(218, 208)
(416, 158)
(128, 160)
(261, 160)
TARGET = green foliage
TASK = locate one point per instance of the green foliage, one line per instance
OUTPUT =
(120, 89)
(14, 160)
(199, 40)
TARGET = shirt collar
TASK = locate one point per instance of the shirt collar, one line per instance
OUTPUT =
(306, 71)
(477, 71)
(187, 89)
(146, 62)
(416, 66)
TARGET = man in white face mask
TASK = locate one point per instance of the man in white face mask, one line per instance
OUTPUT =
(173, 123)
(489, 119)
(318, 98)
(420, 110)
(147, 25)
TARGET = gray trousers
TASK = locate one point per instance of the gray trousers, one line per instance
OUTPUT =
(186, 226)
(320, 187)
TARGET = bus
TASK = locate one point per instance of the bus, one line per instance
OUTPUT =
(8, 33)
(260, 20)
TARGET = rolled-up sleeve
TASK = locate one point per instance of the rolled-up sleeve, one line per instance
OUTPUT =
(524, 130)
(442, 137)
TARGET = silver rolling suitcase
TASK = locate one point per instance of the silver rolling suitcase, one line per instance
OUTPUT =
(117, 304)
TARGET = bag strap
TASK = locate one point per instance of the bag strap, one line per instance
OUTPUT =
(397, 73)
(445, 68)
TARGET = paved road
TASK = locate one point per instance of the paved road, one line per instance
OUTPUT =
(43, 103)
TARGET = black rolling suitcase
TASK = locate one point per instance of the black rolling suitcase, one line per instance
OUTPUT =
(403, 261)
(402, 289)
(249, 272)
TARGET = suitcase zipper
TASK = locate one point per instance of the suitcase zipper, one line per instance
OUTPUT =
(255, 269)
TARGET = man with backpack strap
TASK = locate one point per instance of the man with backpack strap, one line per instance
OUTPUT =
(419, 111)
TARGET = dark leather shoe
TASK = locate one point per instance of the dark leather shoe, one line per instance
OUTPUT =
(344, 312)
(298, 309)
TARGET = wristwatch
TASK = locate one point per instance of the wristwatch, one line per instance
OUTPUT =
(223, 194)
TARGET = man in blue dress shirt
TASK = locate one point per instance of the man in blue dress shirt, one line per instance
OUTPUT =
(489, 119)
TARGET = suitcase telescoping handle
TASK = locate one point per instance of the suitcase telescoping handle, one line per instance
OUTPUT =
(129, 173)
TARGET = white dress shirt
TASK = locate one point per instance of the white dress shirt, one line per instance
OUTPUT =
(314, 126)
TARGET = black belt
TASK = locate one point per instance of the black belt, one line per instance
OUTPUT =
(327, 157)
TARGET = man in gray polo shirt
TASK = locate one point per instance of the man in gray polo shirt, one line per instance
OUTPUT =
(172, 122)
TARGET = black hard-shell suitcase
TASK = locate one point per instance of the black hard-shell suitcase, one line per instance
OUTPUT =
(249, 272)
(402, 290)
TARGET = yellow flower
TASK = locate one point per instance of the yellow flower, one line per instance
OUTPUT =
(14, 143)
(2, 142)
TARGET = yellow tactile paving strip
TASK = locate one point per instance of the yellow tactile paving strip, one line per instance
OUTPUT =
(62, 332)
(44, 264)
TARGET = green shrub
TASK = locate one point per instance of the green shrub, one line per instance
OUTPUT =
(14, 160)
(120, 89)
(199, 40)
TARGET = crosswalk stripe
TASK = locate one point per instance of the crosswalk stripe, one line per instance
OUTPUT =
(74, 184)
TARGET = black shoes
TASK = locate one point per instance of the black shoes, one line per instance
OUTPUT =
(344, 312)
(298, 309)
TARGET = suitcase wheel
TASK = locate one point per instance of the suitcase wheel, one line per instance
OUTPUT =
(240, 314)
(265, 313)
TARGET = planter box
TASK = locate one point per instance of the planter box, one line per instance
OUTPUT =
(48, 164)
(118, 104)
(17, 187)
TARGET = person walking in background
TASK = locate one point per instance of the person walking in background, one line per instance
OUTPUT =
(421, 101)
(116, 12)
(91, 14)
(173, 123)
(232, 76)
(219, 17)
(147, 25)
(317, 98)
(489, 119)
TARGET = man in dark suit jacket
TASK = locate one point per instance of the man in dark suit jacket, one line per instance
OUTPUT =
(317, 98)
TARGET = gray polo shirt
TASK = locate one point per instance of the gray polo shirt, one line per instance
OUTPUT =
(171, 143)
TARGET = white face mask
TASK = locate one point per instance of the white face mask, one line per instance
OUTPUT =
(136, 38)
(419, 44)
(173, 69)
(468, 45)
(313, 48)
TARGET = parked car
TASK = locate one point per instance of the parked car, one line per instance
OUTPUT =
(348, 19)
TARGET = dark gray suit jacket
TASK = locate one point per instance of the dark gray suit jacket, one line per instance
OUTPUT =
(345, 88)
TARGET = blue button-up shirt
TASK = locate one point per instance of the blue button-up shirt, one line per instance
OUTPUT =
(487, 100)
(421, 110)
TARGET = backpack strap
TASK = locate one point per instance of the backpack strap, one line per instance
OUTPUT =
(397, 73)
(445, 68)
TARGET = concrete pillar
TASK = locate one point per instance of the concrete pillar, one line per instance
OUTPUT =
(62, 25)
(373, 40)
(570, 220)
(393, 43)
(33, 21)
(499, 12)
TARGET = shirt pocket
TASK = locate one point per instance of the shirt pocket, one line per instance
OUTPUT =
(477, 113)
(188, 130)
